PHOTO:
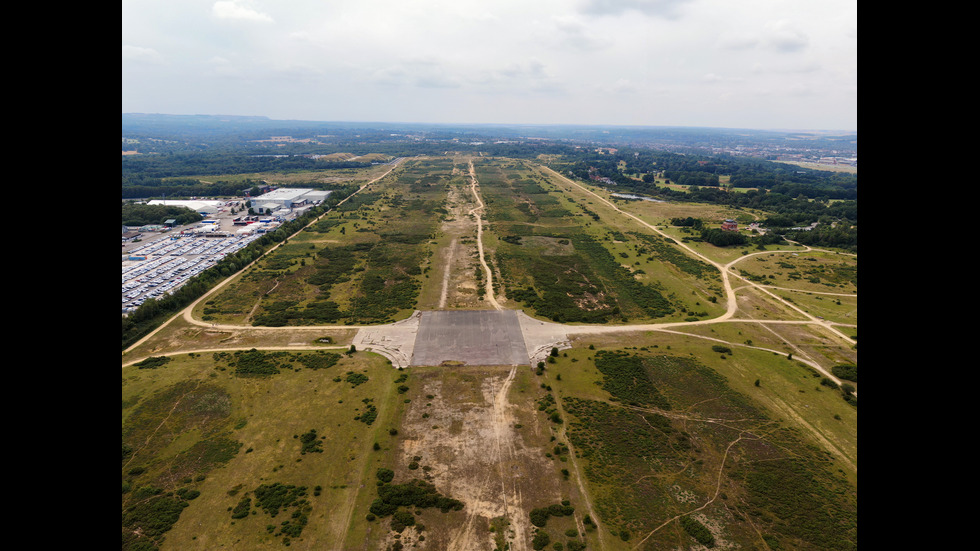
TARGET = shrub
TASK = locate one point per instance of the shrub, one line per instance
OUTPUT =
(310, 443)
(847, 372)
(402, 519)
(539, 517)
(153, 362)
(541, 539)
(152, 517)
(356, 379)
(243, 507)
(698, 531)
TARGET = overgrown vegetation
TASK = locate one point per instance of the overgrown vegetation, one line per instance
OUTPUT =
(138, 214)
(310, 442)
(848, 372)
(539, 516)
(626, 379)
(353, 266)
(272, 499)
(155, 488)
(399, 500)
(638, 454)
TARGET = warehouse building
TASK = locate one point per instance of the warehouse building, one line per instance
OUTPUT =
(287, 198)
(205, 208)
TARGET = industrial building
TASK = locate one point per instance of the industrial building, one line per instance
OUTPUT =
(287, 198)
(204, 208)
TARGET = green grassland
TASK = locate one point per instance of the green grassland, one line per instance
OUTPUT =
(361, 263)
(704, 436)
(661, 435)
(560, 263)
(660, 430)
(225, 424)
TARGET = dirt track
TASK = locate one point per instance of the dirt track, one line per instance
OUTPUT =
(467, 439)
(475, 454)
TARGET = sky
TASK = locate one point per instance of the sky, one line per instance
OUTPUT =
(757, 64)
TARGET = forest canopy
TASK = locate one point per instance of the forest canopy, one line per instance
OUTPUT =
(134, 214)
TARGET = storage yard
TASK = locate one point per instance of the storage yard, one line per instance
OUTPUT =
(166, 263)
(162, 259)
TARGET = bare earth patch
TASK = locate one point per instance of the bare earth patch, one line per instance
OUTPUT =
(469, 446)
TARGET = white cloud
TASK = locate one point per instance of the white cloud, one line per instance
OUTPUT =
(620, 86)
(233, 9)
(741, 41)
(138, 53)
(641, 61)
(784, 36)
(662, 8)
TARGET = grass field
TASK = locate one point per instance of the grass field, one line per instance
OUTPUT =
(245, 435)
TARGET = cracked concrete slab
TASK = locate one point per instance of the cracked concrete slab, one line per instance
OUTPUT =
(470, 337)
(473, 337)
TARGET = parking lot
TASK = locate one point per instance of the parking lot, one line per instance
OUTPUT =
(161, 262)
(170, 261)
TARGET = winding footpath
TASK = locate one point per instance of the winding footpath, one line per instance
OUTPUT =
(726, 271)
(499, 445)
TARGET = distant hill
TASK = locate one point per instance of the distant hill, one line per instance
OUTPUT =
(260, 127)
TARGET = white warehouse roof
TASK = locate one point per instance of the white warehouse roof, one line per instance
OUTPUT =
(196, 206)
(284, 194)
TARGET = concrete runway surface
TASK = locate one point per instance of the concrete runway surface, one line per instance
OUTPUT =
(471, 337)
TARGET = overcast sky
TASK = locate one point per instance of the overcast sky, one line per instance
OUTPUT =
(761, 64)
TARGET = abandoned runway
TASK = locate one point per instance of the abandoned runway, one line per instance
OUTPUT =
(467, 337)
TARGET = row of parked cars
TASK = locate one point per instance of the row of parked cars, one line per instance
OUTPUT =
(166, 264)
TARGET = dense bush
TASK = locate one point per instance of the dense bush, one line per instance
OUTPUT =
(243, 507)
(539, 516)
(274, 497)
(320, 360)
(805, 501)
(254, 362)
(417, 493)
(626, 378)
(848, 372)
(153, 362)
(356, 379)
(310, 442)
(150, 518)
(540, 540)
(722, 238)
(697, 531)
